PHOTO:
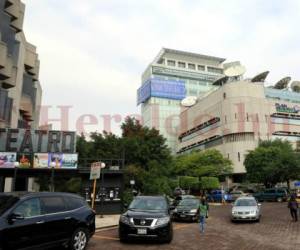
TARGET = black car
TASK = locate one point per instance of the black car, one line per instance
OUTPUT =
(43, 220)
(187, 209)
(147, 217)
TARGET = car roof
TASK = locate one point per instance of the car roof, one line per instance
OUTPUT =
(23, 195)
(246, 198)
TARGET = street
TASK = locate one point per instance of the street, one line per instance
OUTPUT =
(275, 231)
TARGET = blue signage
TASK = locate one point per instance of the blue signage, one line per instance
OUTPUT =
(297, 184)
(155, 87)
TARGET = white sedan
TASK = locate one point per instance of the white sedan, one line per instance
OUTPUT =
(246, 209)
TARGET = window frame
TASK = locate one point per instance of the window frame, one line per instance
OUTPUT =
(21, 202)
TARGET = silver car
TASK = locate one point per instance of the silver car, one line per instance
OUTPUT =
(246, 209)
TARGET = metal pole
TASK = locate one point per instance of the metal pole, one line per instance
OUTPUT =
(102, 194)
(94, 193)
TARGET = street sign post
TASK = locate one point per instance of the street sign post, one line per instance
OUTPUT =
(94, 175)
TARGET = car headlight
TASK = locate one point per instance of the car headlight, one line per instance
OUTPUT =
(124, 219)
(253, 212)
(234, 212)
(193, 211)
(162, 221)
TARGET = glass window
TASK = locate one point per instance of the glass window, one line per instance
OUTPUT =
(181, 64)
(6, 202)
(245, 203)
(74, 203)
(29, 208)
(148, 204)
(214, 70)
(201, 67)
(191, 66)
(53, 205)
(171, 63)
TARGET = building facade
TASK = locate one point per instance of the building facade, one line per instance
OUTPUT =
(20, 89)
(236, 116)
(172, 76)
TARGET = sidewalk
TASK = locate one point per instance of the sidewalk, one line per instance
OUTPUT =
(107, 221)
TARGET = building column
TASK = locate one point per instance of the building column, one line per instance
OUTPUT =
(8, 182)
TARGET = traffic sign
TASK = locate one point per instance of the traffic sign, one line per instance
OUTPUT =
(95, 170)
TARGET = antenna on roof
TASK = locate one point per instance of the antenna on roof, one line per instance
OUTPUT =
(283, 83)
(220, 81)
(189, 101)
(234, 71)
(296, 86)
(260, 77)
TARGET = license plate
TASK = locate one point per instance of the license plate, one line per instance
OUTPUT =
(142, 231)
(182, 216)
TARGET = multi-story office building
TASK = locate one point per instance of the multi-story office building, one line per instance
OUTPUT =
(20, 90)
(171, 77)
(236, 116)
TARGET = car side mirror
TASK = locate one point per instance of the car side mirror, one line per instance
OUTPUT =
(14, 217)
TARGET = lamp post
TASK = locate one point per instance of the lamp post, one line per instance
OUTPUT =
(102, 188)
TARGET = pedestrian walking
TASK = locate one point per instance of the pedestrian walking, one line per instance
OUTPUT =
(293, 206)
(203, 213)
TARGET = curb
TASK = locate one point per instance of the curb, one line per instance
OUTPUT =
(98, 229)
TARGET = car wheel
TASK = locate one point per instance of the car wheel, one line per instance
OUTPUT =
(123, 238)
(79, 239)
(169, 238)
(279, 199)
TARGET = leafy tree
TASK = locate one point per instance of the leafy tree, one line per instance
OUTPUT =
(209, 183)
(272, 162)
(204, 163)
(189, 182)
(143, 145)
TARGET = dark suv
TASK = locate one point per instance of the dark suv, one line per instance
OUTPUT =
(147, 217)
(43, 220)
(272, 194)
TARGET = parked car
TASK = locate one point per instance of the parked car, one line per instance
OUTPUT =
(179, 198)
(42, 220)
(235, 194)
(219, 196)
(147, 217)
(187, 209)
(272, 194)
(246, 209)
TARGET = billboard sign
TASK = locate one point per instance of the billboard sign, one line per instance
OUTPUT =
(156, 87)
(7, 159)
(284, 108)
(41, 160)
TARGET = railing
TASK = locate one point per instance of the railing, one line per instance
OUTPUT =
(84, 164)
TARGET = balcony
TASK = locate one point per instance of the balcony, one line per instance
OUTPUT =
(13, 9)
(3, 54)
(10, 82)
(6, 72)
(30, 56)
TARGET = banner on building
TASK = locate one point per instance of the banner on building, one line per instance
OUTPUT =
(7, 159)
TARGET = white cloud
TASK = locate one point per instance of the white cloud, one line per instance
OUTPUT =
(94, 52)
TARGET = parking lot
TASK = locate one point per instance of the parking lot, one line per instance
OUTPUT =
(275, 231)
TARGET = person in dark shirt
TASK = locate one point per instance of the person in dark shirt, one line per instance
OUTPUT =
(293, 206)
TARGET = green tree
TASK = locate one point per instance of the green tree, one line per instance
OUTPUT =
(272, 162)
(209, 183)
(204, 163)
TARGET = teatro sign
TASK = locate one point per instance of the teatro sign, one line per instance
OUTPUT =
(37, 141)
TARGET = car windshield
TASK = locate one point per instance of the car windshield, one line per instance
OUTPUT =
(245, 203)
(6, 202)
(189, 202)
(148, 204)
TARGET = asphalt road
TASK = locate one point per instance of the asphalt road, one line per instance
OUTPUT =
(275, 231)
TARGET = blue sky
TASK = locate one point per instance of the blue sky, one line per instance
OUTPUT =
(93, 52)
